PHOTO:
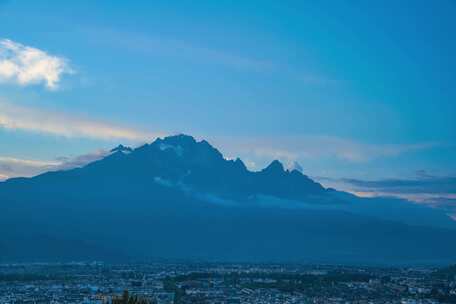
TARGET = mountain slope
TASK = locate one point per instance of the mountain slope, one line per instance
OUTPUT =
(179, 198)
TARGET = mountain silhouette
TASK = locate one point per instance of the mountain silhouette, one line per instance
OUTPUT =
(179, 198)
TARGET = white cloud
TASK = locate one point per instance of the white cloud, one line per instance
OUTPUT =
(20, 167)
(159, 46)
(13, 166)
(28, 162)
(433, 191)
(25, 65)
(81, 160)
(41, 121)
(289, 149)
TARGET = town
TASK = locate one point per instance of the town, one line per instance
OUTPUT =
(223, 283)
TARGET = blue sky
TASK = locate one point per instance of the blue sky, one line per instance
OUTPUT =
(348, 89)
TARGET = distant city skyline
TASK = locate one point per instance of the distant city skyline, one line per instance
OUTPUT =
(361, 96)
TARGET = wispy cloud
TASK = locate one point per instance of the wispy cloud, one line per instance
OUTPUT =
(28, 162)
(427, 185)
(290, 149)
(15, 117)
(80, 160)
(20, 167)
(176, 48)
(13, 166)
(25, 65)
(188, 51)
(445, 203)
(436, 191)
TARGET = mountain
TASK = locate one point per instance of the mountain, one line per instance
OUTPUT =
(179, 198)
